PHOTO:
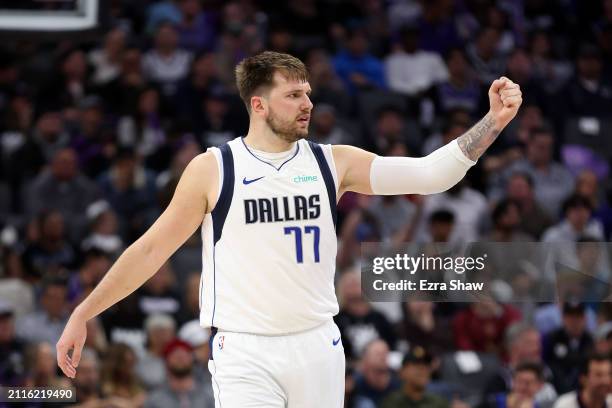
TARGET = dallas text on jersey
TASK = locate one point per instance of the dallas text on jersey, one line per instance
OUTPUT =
(278, 209)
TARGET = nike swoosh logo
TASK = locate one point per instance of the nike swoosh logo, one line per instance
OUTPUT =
(245, 181)
(335, 342)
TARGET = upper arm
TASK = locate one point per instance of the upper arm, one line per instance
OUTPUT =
(353, 168)
(195, 195)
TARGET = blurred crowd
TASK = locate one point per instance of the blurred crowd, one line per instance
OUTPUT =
(94, 135)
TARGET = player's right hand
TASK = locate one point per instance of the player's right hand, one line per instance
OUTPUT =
(73, 338)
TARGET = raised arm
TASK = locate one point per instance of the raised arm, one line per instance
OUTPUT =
(194, 197)
(366, 173)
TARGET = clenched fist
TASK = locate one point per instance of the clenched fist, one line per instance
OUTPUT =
(505, 98)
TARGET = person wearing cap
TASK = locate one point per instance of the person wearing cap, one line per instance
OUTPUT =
(160, 329)
(181, 389)
(415, 374)
(565, 347)
(198, 338)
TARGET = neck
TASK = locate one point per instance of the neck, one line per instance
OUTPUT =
(414, 393)
(264, 139)
(181, 384)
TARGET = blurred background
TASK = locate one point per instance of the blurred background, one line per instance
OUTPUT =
(96, 129)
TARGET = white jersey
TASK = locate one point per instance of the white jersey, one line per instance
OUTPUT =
(269, 245)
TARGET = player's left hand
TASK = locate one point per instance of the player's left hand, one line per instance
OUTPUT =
(505, 98)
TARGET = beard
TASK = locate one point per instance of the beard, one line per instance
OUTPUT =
(288, 130)
(181, 371)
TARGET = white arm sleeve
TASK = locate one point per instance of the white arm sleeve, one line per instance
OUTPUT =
(431, 174)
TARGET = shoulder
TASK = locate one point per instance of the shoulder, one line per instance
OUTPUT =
(203, 163)
(568, 400)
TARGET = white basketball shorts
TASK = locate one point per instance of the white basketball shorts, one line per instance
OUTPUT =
(301, 370)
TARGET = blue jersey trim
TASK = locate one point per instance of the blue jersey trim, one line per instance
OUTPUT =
(327, 177)
(268, 163)
(219, 213)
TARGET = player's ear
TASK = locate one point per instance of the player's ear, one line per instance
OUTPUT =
(258, 104)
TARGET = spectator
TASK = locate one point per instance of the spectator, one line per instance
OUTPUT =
(194, 89)
(588, 185)
(51, 250)
(191, 299)
(552, 182)
(325, 127)
(160, 329)
(415, 374)
(549, 70)
(197, 30)
(359, 324)
(523, 344)
(410, 70)
(440, 225)
(485, 57)
(506, 223)
(461, 90)
(391, 128)
(565, 347)
(358, 69)
(166, 64)
(41, 369)
(93, 268)
(451, 130)
(107, 60)
(130, 189)
(393, 214)
(47, 322)
(158, 295)
(438, 27)
(327, 87)
(576, 223)
(104, 230)
(87, 383)
(119, 381)
(481, 326)
(533, 219)
(168, 180)
(422, 326)
(122, 93)
(182, 388)
(527, 381)
(91, 139)
(12, 350)
(214, 124)
(67, 86)
(198, 338)
(143, 132)
(374, 379)
(64, 189)
(595, 382)
(467, 206)
(45, 139)
(589, 93)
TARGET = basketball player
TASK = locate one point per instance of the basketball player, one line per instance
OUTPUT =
(266, 203)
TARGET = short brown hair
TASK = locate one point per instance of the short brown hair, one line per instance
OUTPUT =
(257, 72)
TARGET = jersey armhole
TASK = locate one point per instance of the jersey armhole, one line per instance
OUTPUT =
(217, 153)
(329, 157)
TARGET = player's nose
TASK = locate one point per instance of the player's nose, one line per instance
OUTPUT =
(307, 104)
